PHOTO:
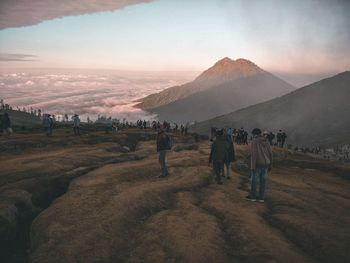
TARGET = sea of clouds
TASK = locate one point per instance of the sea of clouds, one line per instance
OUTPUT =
(112, 94)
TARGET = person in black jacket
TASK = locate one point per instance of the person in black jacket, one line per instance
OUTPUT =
(163, 144)
(6, 124)
(219, 155)
(230, 154)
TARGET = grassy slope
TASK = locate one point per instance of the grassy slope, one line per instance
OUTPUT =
(117, 210)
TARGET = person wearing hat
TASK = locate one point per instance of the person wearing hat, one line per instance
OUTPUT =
(261, 163)
(163, 145)
(76, 124)
(219, 154)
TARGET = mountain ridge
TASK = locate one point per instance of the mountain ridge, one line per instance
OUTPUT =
(222, 88)
(307, 114)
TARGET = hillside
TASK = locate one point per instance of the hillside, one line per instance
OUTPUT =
(222, 76)
(22, 119)
(82, 200)
(317, 114)
(224, 98)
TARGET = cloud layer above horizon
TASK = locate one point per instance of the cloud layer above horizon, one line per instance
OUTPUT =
(18, 13)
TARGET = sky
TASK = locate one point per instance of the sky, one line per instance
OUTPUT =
(290, 37)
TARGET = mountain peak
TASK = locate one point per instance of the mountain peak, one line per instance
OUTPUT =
(228, 69)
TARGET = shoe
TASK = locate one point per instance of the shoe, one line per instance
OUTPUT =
(228, 177)
(250, 199)
(220, 182)
(261, 200)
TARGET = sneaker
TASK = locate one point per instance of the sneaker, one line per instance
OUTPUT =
(261, 200)
(250, 199)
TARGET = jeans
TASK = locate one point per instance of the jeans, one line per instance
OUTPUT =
(164, 168)
(262, 174)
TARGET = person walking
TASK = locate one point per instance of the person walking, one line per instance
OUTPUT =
(231, 157)
(76, 124)
(261, 163)
(219, 155)
(6, 124)
(163, 145)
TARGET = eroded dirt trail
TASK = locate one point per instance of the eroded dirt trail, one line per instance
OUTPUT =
(122, 212)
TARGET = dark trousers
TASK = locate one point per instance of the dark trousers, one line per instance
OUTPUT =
(76, 130)
(163, 166)
(218, 168)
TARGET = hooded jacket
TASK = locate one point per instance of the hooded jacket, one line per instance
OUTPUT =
(261, 153)
(219, 150)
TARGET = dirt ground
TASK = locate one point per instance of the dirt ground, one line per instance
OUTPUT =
(67, 199)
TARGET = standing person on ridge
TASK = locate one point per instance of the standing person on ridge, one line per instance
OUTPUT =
(231, 157)
(219, 155)
(163, 145)
(261, 163)
(6, 124)
(76, 124)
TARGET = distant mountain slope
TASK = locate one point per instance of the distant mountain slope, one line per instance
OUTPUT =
(225, 87)
(224, 98)
(313, 115)
(224, 70)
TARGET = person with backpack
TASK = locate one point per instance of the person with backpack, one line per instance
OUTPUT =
(219, 155)
(261, 163)
(231, 157)
(164, 144)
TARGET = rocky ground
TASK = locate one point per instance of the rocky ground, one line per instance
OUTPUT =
(68, 199)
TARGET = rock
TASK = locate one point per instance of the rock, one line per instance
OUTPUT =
(125, 149)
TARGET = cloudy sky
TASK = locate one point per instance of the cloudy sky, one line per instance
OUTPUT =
(296, 36)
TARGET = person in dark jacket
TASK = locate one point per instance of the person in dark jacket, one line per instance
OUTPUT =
(219, 154)
(231, 157)
(163, 144)
(261, 163)
(6, 124)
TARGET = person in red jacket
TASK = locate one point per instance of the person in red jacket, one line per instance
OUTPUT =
(261, 163)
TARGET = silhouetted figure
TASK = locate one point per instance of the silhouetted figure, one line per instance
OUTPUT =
(283, 139)
(48, 124)
(76, 124)
(261, 163)
(231, 157)
(279, 138)
(163, 145)
(6, 124)
(219, 155)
